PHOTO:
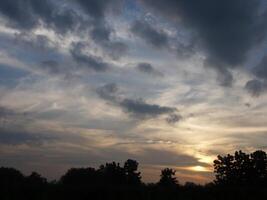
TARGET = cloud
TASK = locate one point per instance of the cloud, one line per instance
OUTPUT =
(18, 137)
(256, 87)
(29, 14)
(261, 69)
(108, 92)
(97, 8)
(63, 18)
(226, 29)
(140, 108)
(148, 33)
(225, 77)
(174, 118)
(51, 66)
(166, 157)
(147, 68)
(9, 115)
(89, 61)
(159, 39)
(6, 112)
(101, 32)
(137, 108)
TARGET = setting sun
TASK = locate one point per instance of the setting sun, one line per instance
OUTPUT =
(199, 169)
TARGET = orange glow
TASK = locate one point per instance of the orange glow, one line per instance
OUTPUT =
(199, 169)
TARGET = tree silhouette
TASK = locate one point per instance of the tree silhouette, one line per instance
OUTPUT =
(132, 176)
(112, 173)
(10, 178)
(167, 178)
(259, 164)
(241, 169)
(238, 176)
(36, 180)
(80, 176)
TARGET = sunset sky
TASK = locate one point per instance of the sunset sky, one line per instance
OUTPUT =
(170, 83)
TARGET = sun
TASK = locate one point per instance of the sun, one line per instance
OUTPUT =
(199, 169)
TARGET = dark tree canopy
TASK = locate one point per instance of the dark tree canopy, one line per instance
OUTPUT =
(167, 178)
(133, 177)
(241, 169)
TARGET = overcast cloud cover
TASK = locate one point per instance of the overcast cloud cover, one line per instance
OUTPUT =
(167, 82)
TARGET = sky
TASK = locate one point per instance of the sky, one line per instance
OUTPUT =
(170, 83)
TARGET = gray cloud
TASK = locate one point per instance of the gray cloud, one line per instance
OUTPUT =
(148, 33)
(29, 13)
(135, 107)
(140, 108)
(6, 113)
(108, 92)
(11, 115)
(224, 77)
(88, 61)
(256, 87)
(174, 118)
(151, 156)
(148, 69)
(101, 31)
(159, 39)
(261, 69)
(63, 18)
(51, 66)
(98, 8)
(227, 29)
(17, 137)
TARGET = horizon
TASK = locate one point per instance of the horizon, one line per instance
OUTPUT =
(169, 83)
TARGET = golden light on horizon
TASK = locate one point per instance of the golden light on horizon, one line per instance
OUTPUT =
(205, 159)
(199, 168)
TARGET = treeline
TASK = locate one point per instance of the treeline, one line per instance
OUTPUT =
(238, 176)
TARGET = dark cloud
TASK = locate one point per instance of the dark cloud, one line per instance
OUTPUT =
(64, 17)
(88, 61)
(174, 118)
(18, 137)
(151, 156)
(116, 49)
(36, 42)
(227, 29)
(9, 115)
(261, 69)
(148, 69)
(28, 14)
(51, 66)
(148, 33)
(101, 32)
(108, 92)
(140, 108)
(97, 8)
(256, 87)
(225, 77)
(159, 39)
(135, 107)
(6, 112)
